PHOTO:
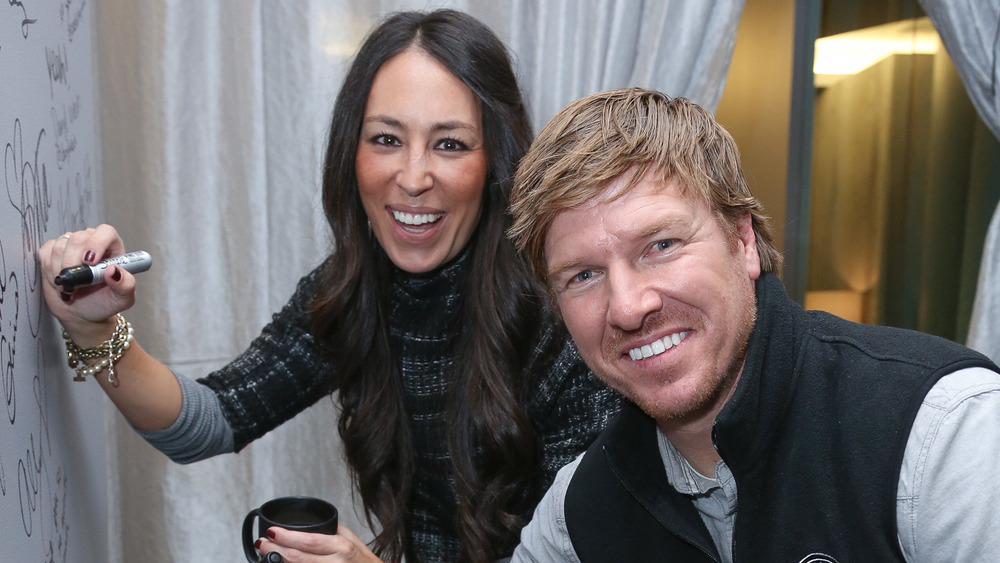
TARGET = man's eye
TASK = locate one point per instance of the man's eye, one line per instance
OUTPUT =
(663, 244)
(583, 276)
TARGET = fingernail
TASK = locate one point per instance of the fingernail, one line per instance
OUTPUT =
(256, 544)
(65, 296)
(270, 533)
(89, 256)
(117, 274)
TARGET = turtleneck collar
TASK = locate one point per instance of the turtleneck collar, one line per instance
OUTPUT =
(444, 280)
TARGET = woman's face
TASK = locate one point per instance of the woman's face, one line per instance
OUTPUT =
(421, 164)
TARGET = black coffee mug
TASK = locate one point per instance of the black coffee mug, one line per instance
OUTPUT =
(302, 514)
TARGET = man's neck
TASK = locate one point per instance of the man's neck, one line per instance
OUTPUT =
(692, 435)
(694, 442)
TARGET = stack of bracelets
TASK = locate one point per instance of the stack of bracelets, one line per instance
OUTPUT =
(108, 352)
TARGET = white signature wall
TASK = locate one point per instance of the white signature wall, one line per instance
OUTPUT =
(53, 478)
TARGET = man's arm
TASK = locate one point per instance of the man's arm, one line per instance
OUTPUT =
(949, 490)
(546, 539)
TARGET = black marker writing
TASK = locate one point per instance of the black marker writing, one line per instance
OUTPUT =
(28, 192)
(9, 312)
(25, 20)
(71, 17)
(58, 64)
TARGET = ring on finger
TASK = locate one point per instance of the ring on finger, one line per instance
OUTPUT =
(64, 235)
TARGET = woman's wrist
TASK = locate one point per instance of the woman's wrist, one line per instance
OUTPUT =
(87, 334)
(102, 357)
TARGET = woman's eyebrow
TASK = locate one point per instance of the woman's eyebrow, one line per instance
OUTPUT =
(452, 125)
(442, 126)
(384, 119)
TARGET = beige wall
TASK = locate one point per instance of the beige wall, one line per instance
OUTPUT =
(756, 103)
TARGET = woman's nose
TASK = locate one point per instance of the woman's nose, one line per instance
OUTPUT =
(415, 177)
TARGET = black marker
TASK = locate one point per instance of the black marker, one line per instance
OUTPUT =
(82, 274)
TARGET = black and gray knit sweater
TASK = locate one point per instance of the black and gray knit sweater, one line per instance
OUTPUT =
(282, 373)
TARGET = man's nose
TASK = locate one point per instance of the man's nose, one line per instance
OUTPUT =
(631, 297)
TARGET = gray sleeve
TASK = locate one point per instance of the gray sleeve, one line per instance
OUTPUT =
(546, 538)
(947, 497)
(200, 431)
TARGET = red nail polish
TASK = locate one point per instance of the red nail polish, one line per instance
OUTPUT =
(89, 256)
(117, 274)
(256, 544)
(65, 296)
(270, 533)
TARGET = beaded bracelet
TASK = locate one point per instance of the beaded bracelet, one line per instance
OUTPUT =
(109, 352)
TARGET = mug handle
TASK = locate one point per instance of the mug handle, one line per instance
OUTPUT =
(248, 538)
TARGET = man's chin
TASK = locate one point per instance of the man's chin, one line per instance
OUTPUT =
(680, 401)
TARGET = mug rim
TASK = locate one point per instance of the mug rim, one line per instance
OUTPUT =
(330, 509)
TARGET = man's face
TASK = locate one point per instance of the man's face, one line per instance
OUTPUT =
(658, 299)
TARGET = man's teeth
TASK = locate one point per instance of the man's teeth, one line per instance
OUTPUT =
(657, 347)
(416, 219)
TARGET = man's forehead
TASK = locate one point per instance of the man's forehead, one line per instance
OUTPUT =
(626, 185)
(628, 205)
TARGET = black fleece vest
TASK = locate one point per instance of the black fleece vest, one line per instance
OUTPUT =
(814, 435)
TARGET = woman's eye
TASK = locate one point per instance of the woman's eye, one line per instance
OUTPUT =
(386, 139)
(451, 145)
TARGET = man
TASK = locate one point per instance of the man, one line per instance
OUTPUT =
(757, 431)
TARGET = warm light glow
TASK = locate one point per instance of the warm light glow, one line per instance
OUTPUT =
(846, 304)
(851, 52)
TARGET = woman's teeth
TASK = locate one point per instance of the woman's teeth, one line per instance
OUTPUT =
(657, 347)
(418, 219)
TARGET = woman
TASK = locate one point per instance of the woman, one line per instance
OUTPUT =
(460, 394)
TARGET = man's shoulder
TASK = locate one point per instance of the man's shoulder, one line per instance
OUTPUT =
(891, 344)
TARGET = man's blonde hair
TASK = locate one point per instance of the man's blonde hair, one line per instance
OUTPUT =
(631, 132)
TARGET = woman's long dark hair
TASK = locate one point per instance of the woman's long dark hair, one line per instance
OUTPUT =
(492, 444)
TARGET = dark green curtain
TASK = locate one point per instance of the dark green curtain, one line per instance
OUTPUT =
(905, 180)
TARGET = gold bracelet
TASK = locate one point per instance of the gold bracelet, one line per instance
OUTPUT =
(108, 352)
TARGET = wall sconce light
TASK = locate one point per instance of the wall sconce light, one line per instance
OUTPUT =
(849, 53)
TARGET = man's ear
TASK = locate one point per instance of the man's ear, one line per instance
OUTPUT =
(554, 303)
(748, 244)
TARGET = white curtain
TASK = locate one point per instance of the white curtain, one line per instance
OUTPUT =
(213, 117)
(970, 30)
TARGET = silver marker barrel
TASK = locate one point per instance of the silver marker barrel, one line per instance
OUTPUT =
(83, 274)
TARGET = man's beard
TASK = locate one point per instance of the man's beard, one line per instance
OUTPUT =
(710, 392)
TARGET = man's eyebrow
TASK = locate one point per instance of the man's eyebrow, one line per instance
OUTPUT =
(562, 267)
(647, 231)
(659, 226)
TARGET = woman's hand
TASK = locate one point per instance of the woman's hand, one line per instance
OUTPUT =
(87, 313)
(302, 547)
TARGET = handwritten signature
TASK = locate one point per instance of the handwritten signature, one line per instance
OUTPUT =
(26, 22)
(28, 193)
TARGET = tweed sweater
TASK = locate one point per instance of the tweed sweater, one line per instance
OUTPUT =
(282, 373)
